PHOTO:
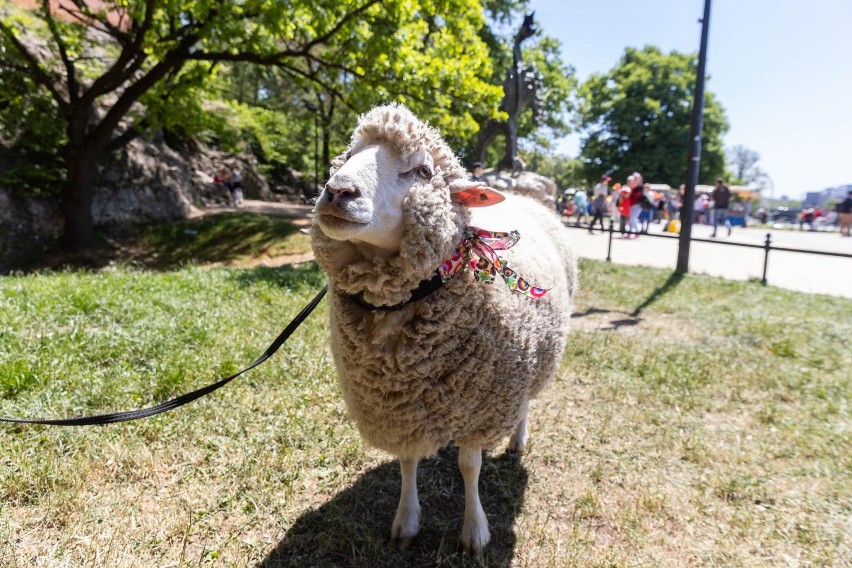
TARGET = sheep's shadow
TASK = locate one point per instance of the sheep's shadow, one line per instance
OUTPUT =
(590, 312)
(353, 528)
(606, 316)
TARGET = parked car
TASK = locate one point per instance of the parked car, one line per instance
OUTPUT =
(785, 215)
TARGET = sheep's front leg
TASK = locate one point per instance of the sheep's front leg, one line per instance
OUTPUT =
(406, 524)
(518, 441)
(475, 533)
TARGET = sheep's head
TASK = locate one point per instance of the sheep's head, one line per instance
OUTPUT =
(394, 208)
(392, 155)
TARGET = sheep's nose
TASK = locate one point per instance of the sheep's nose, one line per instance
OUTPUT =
(336, 191)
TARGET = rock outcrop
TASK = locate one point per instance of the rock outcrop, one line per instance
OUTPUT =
(146, 181)
(524, 183)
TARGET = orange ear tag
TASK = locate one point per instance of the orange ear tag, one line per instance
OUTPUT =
(477, 196)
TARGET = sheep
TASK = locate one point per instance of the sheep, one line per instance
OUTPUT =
(423, 362)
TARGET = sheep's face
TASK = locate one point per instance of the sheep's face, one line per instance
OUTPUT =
(363, 200)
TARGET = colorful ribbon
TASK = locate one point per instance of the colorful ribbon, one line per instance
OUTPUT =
(477, 250)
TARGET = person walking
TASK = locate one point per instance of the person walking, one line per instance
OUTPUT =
(614, 213)
(599, 203)
(698, 207)
(647, 209)
(636, 192)
(581, 202)
(236, 187)
(844, 215)
(721, 200)
(624, 207)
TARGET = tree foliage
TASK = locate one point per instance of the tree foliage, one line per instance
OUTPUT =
(636, 118)
(31, 131)
(742, 163)
(565, 171)
(115, 69)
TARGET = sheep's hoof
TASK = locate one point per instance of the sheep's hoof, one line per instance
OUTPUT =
(475, 536)
(405, 527)
(516, 446)
(401, 543)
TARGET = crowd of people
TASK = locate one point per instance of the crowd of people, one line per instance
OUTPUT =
(815, 216)
(634, 206)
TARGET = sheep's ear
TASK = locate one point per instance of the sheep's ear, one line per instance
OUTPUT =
(474, 194)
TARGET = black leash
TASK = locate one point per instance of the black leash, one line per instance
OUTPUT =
(183, 399)
(425, 288)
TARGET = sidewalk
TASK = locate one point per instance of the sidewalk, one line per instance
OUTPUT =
(794, 271)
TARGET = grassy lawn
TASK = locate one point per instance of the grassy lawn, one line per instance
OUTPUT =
(226, 238)
(695, 422)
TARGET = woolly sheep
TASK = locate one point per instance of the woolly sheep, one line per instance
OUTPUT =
(460, 364)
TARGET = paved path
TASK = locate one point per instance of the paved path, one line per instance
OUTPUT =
(294, 210)
(803, 272)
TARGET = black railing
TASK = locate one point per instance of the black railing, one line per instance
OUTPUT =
(766, 246)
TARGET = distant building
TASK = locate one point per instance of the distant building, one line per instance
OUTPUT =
(822, 198)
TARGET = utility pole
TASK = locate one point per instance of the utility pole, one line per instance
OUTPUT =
(695, 126)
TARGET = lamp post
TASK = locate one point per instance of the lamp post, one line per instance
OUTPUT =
(695, 127)
(315, 109)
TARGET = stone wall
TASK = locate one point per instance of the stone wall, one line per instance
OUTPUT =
(146, 181)
(25, 223)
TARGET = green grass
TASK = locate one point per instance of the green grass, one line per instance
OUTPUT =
(695, 422)
(226, 237)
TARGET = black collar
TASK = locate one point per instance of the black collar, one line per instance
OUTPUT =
(423, 289)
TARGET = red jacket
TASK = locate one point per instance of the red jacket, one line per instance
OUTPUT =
(624, 206)
(635, 196)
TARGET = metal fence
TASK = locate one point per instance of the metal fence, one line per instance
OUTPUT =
(766, 246)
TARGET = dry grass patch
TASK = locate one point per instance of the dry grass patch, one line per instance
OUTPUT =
(715, 431)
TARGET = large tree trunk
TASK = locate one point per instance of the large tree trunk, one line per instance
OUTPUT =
(81, 156)
(77, 200)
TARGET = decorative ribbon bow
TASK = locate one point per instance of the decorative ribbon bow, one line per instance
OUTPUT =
(477, 250)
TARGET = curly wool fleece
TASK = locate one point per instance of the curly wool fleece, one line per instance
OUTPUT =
(459, 364)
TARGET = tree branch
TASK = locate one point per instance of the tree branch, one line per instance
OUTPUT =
(40, 76)
(275, 58)
(121, 36)
(332, 65)
(171, 62)
(343, 21)
(129, 61)
(133, 131)
(70, 71)
(82, 18)
(296, 72)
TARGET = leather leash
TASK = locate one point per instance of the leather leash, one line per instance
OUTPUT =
(126, 416)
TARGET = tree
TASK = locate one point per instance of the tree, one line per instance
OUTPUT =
(558, 83)
(742, 163)
(114, 69)
(565, 171)
(636, 118)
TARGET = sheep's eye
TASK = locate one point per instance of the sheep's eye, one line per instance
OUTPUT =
(424, 172)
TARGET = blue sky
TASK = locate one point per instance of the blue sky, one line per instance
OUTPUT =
(781, 69)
